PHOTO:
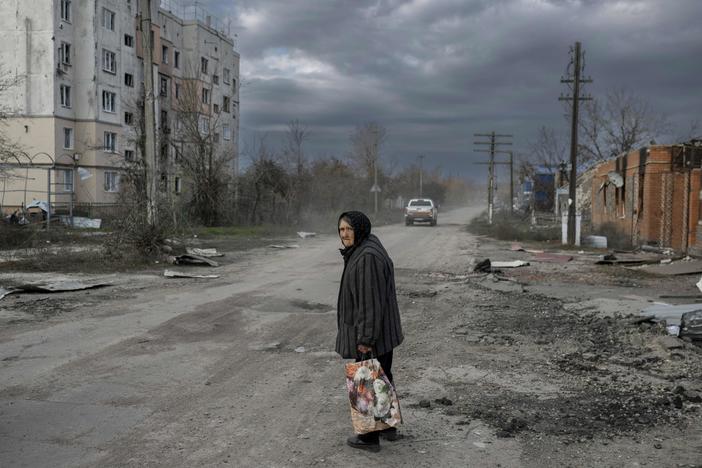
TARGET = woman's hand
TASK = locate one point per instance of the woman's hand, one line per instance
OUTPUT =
(363, 349)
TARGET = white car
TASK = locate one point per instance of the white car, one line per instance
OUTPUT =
(421, 209)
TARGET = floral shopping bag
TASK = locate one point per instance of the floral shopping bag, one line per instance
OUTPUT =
(374, 403)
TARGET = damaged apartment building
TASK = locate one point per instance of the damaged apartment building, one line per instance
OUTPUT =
(652, 196)
(77, 99)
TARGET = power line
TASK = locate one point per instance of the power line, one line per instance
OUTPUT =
(574, 81)
(494, 144)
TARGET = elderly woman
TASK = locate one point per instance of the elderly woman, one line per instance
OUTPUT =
(368, 319)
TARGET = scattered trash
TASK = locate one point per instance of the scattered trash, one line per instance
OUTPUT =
(512, 264)
(665, 261)
(483, 266)
(658, 250)
(424, 403)
(178, 274)
(300, 349)
(204, 252)
(305, 235)
(289, 246)
(673, 330)
(190, 259)
(598, 242)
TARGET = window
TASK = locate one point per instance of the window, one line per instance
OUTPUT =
(129, 80)
(164, 54)
(65, 53)
(204, 125)
(128, 40)
(177, 90)
(65, 92)
(226, 132)
(215, 79)
(129, 155)
(178, 185)
(108, 101)
(226, 75)
(128, 118)
(205, 96)
(110, 142)
(109, 62)
(203, 65)
(67, 138)
(176, 59)
(225, 104)
(67, 177)
(164, 119)
(163, 89)
(111, 181)
(108, 19)
(66, 10)
(216, 138)
(215, 108)
(234, 85)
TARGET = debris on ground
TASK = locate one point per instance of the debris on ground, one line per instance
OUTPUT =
(511, 264)
(51, 287)
(684, 267)
(305, 235)
(300, 349)
(519, 248)
(288, 246)
(179, 274)
(190, 259)
(204, 252)
(483, 266)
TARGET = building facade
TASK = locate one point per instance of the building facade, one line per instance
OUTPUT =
(76, 109)
(652, 196)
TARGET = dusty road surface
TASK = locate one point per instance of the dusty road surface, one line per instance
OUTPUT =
(542, 370)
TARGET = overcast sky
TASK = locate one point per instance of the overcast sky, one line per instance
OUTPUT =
(433, 72)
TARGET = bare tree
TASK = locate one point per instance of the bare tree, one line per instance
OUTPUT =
(549, 149)
(9, 149)
(622, 123)
(295, 138)
(366, 141)
(197, 149)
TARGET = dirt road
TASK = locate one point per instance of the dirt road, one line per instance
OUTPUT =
(240, 371)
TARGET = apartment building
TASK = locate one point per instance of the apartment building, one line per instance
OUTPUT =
(76, 109)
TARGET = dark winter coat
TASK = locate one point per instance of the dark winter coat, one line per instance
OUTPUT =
(367, 311)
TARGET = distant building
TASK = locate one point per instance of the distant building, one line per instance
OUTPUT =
(652, 196)
(77, 105)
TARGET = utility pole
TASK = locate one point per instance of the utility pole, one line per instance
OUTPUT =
(511, 183)
(149, 114)
(494, 149)
(574, 80)
(421, 158)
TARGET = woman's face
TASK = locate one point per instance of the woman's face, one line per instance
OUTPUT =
(346, 233)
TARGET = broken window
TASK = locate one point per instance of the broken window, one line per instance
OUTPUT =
(111, 181)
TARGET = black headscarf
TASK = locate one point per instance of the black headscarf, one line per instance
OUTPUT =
(361, 230)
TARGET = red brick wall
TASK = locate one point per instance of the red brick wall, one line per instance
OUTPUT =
(669, 210)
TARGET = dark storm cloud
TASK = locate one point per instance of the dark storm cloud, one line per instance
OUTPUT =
(436, 71)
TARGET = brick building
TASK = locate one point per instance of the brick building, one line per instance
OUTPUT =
(652, 196)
